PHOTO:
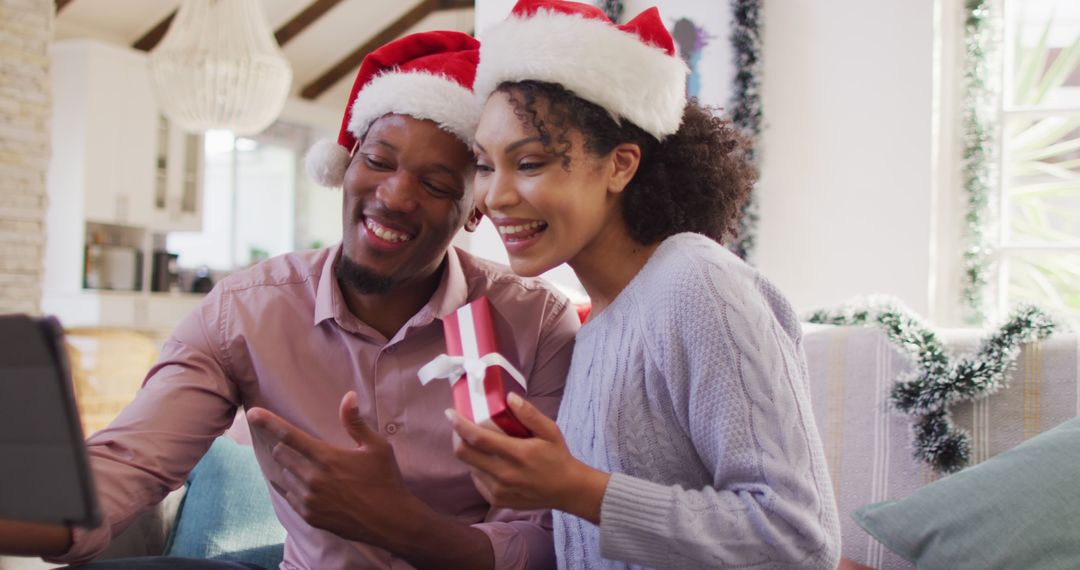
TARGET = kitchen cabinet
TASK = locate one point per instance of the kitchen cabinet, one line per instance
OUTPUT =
(178, 175)
(110, 135)
(120, 178)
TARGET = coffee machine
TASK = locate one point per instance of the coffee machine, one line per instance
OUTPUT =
(164, 273)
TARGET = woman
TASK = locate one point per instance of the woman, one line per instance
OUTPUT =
(685, 436)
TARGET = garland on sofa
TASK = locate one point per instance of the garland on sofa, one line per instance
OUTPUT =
(746, 103)
(939, 380)
(979, 125)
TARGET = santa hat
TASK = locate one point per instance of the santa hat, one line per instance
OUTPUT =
(427, 75)
(631, 70)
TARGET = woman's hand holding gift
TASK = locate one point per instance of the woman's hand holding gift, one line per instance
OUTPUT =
(534, 473)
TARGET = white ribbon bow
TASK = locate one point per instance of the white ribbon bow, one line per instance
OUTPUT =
(474, 369)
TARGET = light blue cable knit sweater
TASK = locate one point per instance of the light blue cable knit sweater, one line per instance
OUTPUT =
(691, 389)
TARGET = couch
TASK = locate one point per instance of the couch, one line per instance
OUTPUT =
(866, 443)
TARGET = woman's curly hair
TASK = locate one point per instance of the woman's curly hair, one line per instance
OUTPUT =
(696, 180)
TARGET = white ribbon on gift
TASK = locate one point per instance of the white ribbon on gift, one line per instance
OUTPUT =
(474, 369)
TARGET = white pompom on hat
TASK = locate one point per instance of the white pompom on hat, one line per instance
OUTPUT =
(631, 70)
(427, 75)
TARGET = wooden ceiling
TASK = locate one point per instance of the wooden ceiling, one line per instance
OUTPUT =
(324, 40)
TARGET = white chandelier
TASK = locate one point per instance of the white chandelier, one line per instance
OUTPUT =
(219, 67)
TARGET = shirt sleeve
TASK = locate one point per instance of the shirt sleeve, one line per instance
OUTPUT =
(523, 539)
(186, 401)
(738, 389)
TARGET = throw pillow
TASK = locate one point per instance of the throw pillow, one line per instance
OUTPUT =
(226, 513)
(1019, 509)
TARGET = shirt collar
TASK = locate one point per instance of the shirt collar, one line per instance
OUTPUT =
(328, 295)
(452, 293)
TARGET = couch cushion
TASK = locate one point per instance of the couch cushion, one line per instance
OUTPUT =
(227, 514)
(1019, 509)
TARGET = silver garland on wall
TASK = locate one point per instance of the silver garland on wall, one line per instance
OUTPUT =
(979, 151)
(940, 380)
(746, 103)
(613, 9)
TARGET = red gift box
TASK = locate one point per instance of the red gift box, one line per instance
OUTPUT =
(479, 374)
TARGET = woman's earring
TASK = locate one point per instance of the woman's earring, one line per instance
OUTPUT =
(474, 221)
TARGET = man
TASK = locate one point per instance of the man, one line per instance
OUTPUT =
(345, 329)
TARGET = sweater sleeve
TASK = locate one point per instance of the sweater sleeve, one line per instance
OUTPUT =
(726, 352)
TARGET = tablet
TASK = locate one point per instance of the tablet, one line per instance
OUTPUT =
(44, 472)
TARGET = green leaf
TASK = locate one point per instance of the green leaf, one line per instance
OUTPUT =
(1028, 71)
(1045, 189)
(1041, 133)
(1063, 147)
(1037, 167)
(1044, 285)
(1063, 66)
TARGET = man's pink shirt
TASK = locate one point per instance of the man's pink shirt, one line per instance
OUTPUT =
(280, 336)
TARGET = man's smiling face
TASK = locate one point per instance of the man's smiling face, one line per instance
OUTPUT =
(405, 197)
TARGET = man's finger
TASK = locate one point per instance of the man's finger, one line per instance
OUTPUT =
(291, 460)
(529, 416)
(293, 484)
(357, 428)
(278, 428)
(293, 491)
(278, 487)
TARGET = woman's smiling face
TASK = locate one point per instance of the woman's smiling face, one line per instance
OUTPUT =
(547, 208)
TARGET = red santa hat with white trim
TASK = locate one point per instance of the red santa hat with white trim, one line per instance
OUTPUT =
(631, 70)
(427, 75)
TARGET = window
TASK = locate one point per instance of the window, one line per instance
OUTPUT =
(257, 202)
(1039, 234)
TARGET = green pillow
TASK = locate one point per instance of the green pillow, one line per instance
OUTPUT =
(226, 513)
(1019, 509)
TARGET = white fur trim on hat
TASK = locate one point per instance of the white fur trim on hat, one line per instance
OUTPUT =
(420, 95)
(597, 61)
(326, 163)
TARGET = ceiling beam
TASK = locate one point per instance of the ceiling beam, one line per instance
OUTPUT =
(285, 33)
(351, 61)
(151, 38)
(61, 4)
(301, 21)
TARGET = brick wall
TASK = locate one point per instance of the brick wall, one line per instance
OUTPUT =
(26, 28)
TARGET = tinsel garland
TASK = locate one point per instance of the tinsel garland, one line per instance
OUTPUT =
(746, 103)
(979, 150)
(939, 380)
(613, 9)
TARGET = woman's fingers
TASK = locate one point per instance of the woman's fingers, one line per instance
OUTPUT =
(484, 440)
(531, 417)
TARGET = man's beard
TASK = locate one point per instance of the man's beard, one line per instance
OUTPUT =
(360, 278)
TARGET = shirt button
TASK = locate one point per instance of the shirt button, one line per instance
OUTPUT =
(391, 428)
(391, 349)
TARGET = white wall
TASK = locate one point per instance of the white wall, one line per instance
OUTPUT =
(849, 185)
(846, 189)
(491, 12)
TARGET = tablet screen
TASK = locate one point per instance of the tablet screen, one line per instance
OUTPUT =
(44, 473)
